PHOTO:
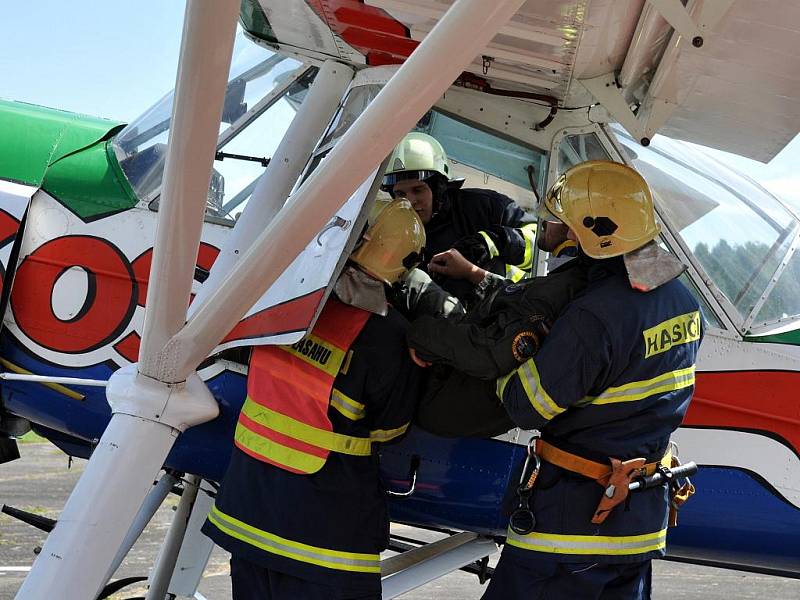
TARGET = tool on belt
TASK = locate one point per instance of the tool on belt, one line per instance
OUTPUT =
(617, 482)
(679, 492)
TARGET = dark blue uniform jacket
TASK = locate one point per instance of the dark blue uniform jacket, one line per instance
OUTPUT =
(342, 507)
(613, 379)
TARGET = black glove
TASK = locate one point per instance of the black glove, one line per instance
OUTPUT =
(474, 249)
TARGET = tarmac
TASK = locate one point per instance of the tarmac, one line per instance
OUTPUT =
(42, 479)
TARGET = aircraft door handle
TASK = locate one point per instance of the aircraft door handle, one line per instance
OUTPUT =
(412, 475)
(336, 222)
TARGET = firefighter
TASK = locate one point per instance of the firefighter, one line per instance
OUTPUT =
(301, 508)
(610, 383)
(486, 226)
(468, 352)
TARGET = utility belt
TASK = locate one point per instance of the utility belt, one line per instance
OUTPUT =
(617, 479)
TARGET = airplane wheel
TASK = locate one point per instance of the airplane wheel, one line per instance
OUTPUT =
(115, 586)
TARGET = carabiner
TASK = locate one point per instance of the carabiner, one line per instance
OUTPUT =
(522, 520)
(526, 481)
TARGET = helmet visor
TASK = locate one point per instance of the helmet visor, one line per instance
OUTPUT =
(391, 178)
(545, 215)
(550, 207)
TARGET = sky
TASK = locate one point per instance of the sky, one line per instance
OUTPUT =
(780, 176)
(114, 59)
(105, 58)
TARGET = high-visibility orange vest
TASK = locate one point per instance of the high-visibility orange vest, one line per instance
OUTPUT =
(284, 420)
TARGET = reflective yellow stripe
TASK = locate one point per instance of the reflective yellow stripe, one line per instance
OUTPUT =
(384, 435)
(275, 544)
(529, 234)
(336, 442)
(318, 353)
(502, 382)
(639, 390)
(346, 405)
(515, 274)
(493, 251)
(539, 399)
(278, 453)
(673, 332)
(609, 545)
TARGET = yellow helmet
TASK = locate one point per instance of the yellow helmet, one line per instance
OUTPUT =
(607, 204)
(418, 156)
(393, 244)
(382, 200)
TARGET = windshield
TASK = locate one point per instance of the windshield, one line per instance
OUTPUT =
(479, 158)
(255, 75)
(485, 160)
(740, 234)
(576, 148)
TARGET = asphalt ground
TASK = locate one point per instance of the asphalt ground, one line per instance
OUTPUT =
(41, 481)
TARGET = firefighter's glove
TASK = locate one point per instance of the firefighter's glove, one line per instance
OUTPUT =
(479, 248)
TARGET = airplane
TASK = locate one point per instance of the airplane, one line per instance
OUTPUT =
(111, 230)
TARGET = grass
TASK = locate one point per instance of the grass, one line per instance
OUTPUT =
(31, 438)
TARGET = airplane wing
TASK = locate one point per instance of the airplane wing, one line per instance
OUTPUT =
(721, 73)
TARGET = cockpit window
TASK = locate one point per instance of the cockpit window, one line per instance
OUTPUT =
(738, 232)
(354, 104)
(255, 75)
(480, 158)
(577, 148)
(485, 160)
(782, 303)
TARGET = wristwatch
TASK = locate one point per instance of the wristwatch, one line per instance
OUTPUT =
(484, 283)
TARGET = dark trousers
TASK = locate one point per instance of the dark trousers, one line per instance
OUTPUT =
(252, 582)
(535, 577)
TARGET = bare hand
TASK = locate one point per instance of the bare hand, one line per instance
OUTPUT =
(417, 360)
(452, 263)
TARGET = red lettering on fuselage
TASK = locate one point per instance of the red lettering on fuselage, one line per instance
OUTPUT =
(107, 308)
(115, 286)
(206, 255)
(9, 226)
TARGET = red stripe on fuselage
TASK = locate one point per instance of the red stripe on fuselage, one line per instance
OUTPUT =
(763, 400)
(294, 315)
(128, 346)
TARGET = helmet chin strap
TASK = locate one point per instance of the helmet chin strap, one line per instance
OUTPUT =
(439, 190)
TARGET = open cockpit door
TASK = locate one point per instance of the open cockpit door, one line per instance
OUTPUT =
(289, 308)
(739, 241)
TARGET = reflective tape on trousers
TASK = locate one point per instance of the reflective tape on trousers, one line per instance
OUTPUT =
(589, 544)
(269, 542)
